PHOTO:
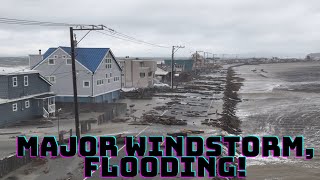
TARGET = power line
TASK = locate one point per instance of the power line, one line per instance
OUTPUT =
(117, 37)
(33, 22)
(132, 38)
(113, 33)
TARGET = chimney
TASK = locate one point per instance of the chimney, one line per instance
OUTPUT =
(39, 51)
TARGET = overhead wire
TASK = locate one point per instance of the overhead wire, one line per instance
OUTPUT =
(116, 37)
(112, 33)
(132, 38)
(32, 22)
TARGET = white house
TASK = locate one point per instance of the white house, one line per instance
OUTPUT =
(137, 72)
(98, 73)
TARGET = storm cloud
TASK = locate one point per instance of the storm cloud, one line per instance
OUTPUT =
(244, 27)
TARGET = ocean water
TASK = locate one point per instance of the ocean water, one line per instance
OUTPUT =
(14, 61)
(282, 100)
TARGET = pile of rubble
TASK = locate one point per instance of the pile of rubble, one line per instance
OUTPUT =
(229, 121)
(195, 114)
(185, 132)
(165, 120)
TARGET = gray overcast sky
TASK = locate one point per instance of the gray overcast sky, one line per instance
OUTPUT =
(246, 27)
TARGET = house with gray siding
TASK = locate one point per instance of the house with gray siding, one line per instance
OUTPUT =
(98, 73)
(24, 95)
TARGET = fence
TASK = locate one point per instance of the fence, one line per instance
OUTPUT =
(11, 163)
(111, 112)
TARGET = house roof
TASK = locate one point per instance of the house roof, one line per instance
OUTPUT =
(16, 70)
(88, 57)
(161, 72)
(44, 96)
(3, 101)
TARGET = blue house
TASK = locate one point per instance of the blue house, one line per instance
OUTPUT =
(24, 95)
(98, 73)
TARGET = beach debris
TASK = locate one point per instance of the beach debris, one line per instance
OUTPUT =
(165, 120)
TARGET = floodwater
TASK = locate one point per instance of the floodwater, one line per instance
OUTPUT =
(282, 100)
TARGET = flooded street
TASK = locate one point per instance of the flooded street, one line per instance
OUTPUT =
(276, 99)
(281, 100)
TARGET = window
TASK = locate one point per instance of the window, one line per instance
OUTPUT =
(51, 62)
(15, 81)
(141, 64)
(26, 81)
(108, 63)
(14, 107)
(149, 74)
(64, 57)
(142, 75)
(116, 79)
(110, 74)
(108, 81)
(27, 104)
(99, 82)
(68, 61)
(52, 79)
(106, 75)
(55, 56)
(86, 84)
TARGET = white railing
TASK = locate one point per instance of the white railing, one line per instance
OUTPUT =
(45, 113)
(52, 108)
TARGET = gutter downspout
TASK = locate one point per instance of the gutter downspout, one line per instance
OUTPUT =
(121, 72)
(92, 87)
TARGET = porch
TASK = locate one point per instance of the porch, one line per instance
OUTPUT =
(47, 105)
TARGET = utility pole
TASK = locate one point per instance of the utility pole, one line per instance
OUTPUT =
(196, 56)
(174, 50)
(172, 63)
(196, 62)
(74, 73)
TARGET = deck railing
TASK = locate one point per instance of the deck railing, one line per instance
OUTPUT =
(45, 113)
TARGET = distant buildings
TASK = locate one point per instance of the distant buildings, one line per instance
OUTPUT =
(313, 57)
(98, 73)
(161, 74)
(137, 73)
(24, 95)
(179, 64)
